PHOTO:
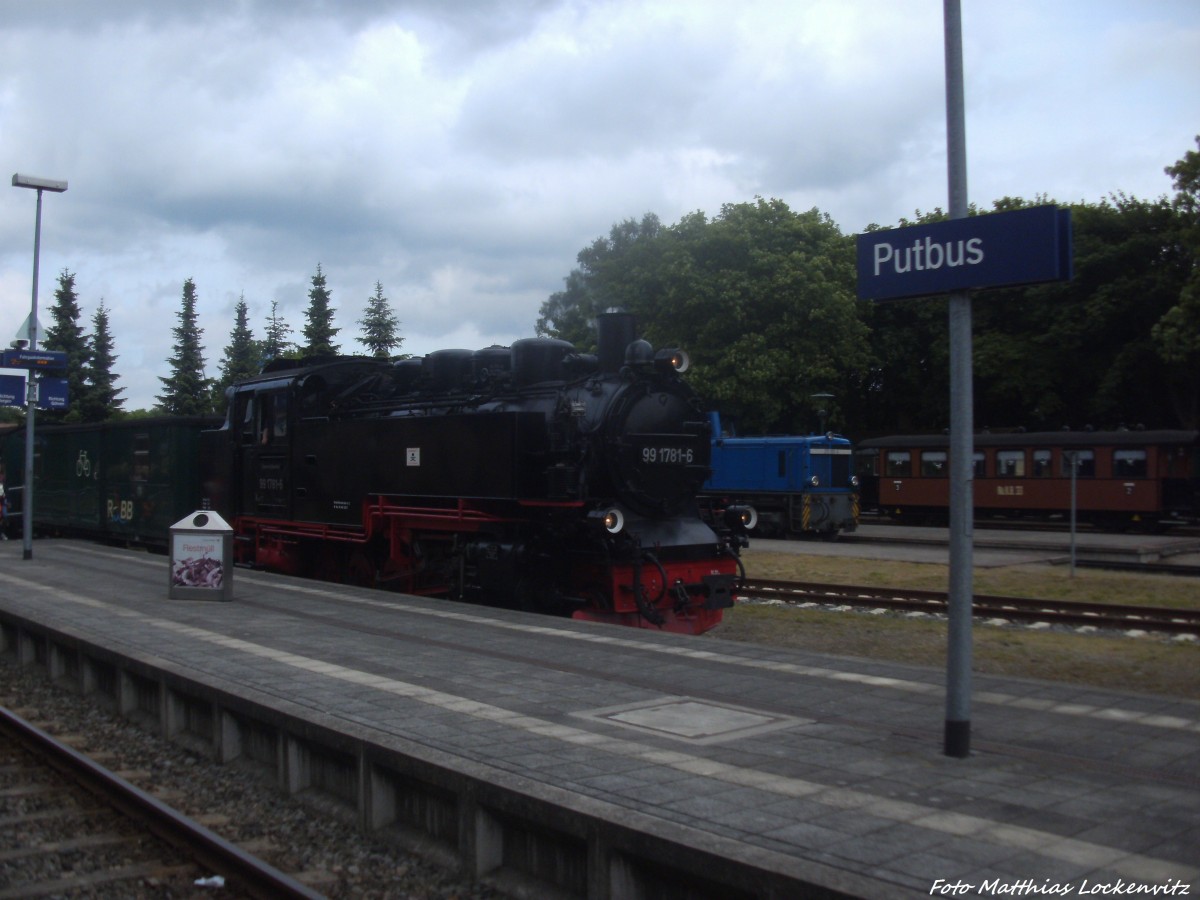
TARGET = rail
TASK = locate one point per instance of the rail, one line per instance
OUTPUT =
(1021, 609)
(246, 872)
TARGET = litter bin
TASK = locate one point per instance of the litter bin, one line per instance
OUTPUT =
(201, 558)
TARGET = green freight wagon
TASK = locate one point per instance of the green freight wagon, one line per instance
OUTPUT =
(125, 481)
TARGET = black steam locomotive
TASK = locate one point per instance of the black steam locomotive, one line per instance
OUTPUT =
(533, 477)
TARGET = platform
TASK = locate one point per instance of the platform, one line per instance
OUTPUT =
(611, 762)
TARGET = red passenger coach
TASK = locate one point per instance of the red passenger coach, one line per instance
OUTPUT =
(1145, 479)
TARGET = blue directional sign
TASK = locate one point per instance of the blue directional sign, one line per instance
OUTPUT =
(12, 390)
(1024, 246)
(33, 359)
(52, 393)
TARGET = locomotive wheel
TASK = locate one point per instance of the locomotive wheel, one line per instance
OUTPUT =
(330, 565)
(360, 569)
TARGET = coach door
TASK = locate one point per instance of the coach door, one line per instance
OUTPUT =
(263, 453)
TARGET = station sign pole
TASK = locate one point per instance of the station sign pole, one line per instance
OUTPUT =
(953, 258)
(957, 737)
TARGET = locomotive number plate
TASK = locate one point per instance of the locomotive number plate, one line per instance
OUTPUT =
(668, 456)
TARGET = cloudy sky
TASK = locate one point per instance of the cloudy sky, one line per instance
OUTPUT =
(462, 152)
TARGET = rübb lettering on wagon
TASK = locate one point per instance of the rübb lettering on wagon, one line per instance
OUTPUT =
(1024, 246)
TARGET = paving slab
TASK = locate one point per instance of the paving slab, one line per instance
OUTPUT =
(832, 765)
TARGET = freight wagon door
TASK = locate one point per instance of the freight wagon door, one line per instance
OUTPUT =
(266, 475)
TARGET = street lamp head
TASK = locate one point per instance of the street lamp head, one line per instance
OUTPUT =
(41, 184)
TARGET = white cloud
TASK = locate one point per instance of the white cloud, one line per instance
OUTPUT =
(462, 154)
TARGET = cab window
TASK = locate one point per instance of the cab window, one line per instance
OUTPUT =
(272, 418)
(249, 418)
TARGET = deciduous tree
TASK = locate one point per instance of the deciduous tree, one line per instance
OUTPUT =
(1177, 334)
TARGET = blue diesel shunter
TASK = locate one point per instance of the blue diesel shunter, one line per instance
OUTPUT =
(800, 485)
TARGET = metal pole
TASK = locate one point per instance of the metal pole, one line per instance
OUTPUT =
(31, 396)
(962, 446)
(1073, 456)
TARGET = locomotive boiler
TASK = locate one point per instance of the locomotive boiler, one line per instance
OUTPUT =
(530, 476)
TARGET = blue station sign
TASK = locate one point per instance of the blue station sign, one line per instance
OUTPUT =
(33, 359)
(1024, 246)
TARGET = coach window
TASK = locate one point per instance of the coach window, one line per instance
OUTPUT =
(899, 462)
(933, 463)
(1129, 463)
(1041, 464)
(1010, 463)
(979, 463)
(1085, 463)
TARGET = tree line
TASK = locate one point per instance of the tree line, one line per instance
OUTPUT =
(187, 390)
(763, 298)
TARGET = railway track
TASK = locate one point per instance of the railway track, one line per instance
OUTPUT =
(1016, 609)
(124, 842)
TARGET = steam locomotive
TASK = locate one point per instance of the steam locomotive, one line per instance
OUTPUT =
(533, 477)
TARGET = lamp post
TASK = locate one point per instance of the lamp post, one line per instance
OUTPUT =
(39, 185)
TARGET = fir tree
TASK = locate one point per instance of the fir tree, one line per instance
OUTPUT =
(186, 391)
(380, 327)
(276, 344)
(103, 396)
(319, 331)
(242, 354)
(66, 336)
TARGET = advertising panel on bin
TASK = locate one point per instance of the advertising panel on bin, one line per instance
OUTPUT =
(201, 554)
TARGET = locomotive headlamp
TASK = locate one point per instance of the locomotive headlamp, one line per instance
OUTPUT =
(741, 518)
(853, 481)
(673, 359)
(815, 481)
(611, 520)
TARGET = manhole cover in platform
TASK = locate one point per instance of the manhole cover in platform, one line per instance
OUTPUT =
(694, 721)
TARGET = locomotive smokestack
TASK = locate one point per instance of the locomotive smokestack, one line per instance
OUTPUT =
(616, 330)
